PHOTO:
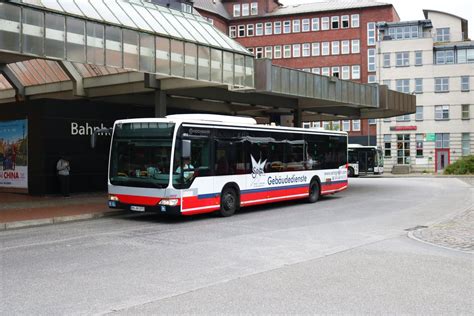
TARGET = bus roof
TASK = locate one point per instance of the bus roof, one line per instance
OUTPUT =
(223, 120)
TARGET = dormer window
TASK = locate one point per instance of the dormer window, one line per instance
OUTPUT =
(245, 9)
(186, 7)
(236, 10)
(442, 34)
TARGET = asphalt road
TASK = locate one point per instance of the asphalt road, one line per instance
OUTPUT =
(348, 253)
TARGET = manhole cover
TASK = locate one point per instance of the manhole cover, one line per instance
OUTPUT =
(415, 228)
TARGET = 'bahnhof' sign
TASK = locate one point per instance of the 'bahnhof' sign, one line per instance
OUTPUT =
(70, 66)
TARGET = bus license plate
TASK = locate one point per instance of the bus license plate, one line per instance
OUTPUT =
(137, 208)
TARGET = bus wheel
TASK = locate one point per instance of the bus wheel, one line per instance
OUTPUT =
(350, 172)
(313, 191)
(229, 202)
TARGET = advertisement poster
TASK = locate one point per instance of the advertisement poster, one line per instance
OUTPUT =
(14, 154)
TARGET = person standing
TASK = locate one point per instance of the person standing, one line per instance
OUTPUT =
(63, 169)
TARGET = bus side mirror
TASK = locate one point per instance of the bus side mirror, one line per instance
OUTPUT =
(99, 132)
(186, 148)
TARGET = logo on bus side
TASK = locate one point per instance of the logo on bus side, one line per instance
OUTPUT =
(258, 168)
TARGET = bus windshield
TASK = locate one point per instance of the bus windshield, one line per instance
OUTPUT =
(141, 154)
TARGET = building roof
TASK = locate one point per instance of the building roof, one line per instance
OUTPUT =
(216, 7)
(325, 6)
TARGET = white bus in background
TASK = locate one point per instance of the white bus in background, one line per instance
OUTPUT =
(198, 163)
(364, 160)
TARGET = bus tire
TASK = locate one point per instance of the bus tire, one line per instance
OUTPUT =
(314, 191)
(350, 172)
(229, 202)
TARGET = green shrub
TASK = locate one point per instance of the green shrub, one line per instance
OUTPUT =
(464, 165)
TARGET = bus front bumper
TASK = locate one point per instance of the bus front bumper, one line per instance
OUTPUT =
(162, 209)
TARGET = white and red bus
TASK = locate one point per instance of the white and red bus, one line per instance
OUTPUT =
(196, 163)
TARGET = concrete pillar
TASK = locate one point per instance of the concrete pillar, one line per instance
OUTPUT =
(160, 103)
(297, 118)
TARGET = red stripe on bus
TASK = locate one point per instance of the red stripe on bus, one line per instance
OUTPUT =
(195, 201)
(273, 194)
(332, 187)
(138, 200)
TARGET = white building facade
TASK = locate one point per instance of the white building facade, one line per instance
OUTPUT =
(433, 59)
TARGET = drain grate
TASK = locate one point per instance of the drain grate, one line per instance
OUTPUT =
(415, 228)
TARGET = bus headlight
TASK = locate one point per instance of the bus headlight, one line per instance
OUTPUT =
(113, 198)
(169, 202)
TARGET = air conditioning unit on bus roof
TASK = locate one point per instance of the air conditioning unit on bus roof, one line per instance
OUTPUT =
(213, 118)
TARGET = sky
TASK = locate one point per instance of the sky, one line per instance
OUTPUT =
(413, 9)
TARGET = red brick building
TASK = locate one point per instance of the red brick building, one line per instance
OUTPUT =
(330, 38)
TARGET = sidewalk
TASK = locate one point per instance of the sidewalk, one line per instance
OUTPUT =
(21, 210)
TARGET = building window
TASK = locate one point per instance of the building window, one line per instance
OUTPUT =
(403, 118)
(277, 52)
(465, 115)
(287, 51)
(356, 125)
(356, 72)
(442, 140)
(386, 60)
(444, 57)
(372, 122)
(335, 72)
(403, 85)
(259, 29)
(442, 112)
(306, 50)
(418, 85)
(354, 20)
(466, 144)
(387, 140)
(241, 31)
(277, 26)
(442, 34)
(305, 25)
(250, 49)
(236, 10)
(465, 56)
(419, 145)
(296, 26)
(371, 33)
(315, 51)
(464, 83)
(371, 79)
(346, 72)
(185, 7)
(334, 22)
(254, 8)
(315, 24)
(403, 149)
(355, 46)
(232, 32)
(345, 21)
(442, 84)
(286, 27)
(250, 29)
(245, 9)
(259, 52)
(402, 59)
(419, 113)
(345, 47)
(316, 70)
(335, 48)
(296, 50)
(418, 58)
(325, 23)
(346, 125)
(268, 28)
(325, 49)
(371, 60)
(325, 71)
(269, 52)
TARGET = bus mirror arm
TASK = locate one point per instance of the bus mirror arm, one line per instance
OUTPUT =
(99, 132)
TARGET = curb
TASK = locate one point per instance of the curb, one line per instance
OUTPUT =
(410, 235)
(56, 220)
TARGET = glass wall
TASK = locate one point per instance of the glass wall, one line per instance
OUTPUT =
(127, 39)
